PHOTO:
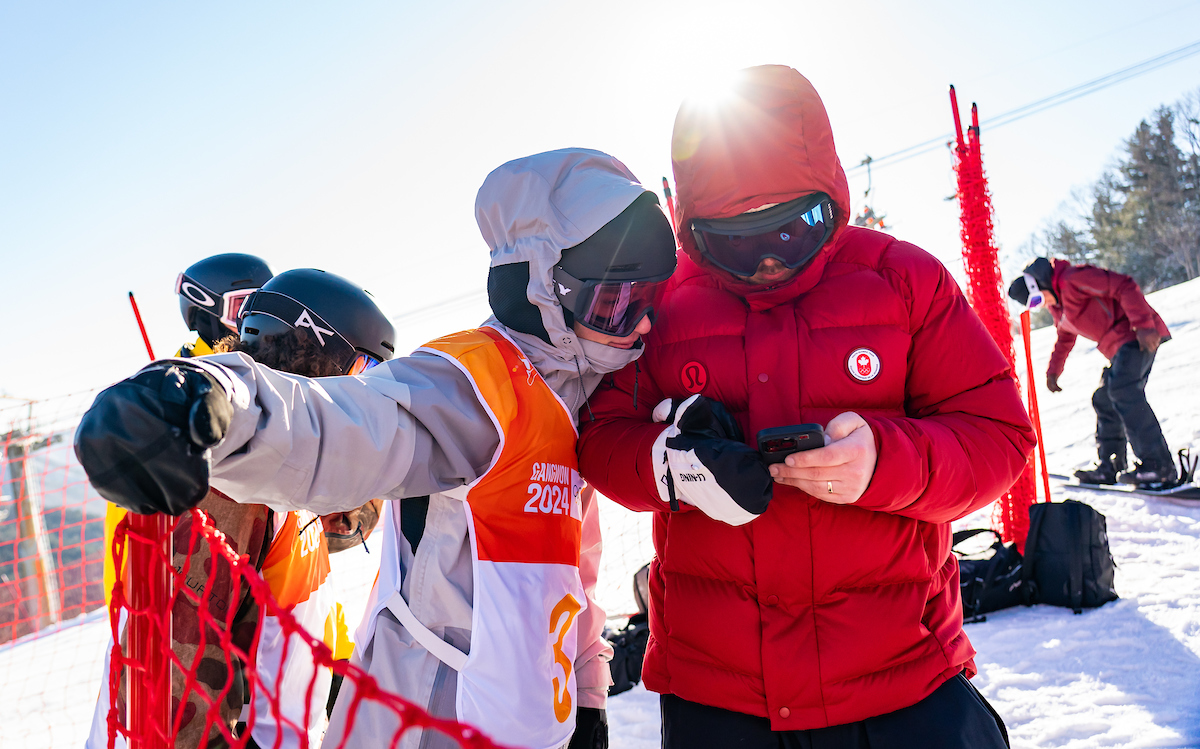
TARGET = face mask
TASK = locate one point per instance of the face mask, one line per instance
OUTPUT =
(604, 359)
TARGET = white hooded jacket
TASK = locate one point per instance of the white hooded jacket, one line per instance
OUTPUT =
(413, 427)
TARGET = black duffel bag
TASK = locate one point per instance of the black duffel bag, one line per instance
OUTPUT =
(629, 642)
(988, 581)
(1067, 560)
(629, 649)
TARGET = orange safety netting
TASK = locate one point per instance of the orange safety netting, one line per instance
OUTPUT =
(51, 520)
(161, 716)
(984, 283)
(52, 555)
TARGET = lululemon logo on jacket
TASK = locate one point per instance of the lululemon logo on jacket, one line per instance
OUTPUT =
(693, 377)
(863, 364)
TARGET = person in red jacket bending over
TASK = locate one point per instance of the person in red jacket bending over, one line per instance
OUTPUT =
(812, 603)
(1110, 309)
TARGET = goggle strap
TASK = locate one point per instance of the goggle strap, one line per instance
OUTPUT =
(1036, 297)
(207, 298)
(761, 222)
(295, 315)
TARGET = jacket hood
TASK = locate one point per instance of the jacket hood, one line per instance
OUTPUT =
(769, 141)
(529, 210)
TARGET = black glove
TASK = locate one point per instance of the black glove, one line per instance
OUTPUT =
(145, 441)
(1052, 383)
(591, 729)
(702, 460)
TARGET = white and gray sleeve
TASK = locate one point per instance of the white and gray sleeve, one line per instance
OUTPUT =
(408, 427)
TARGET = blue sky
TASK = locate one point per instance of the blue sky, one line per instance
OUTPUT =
(140, 137)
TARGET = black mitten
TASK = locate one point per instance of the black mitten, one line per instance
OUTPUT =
(701, 459)
(591, 729)
(145, 441)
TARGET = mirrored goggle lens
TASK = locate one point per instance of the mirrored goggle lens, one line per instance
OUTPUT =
(362, 363)
(234, 301)
(792, 244)
(616, 308)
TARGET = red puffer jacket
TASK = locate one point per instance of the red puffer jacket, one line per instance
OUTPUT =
(1098, 304)
(813, 614)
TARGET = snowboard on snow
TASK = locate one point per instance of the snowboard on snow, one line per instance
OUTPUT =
(1186, 492)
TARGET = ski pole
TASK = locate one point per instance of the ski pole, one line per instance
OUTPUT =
(670, 201)
(138, 316)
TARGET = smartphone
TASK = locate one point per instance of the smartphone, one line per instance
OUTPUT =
(776, 443)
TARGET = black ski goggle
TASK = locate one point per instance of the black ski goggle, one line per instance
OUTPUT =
(791, 233)
(613, 308)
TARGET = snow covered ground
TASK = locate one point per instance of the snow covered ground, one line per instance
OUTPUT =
(1124, 675)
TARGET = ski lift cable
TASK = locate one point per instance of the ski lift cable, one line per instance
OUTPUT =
(1097, 84)
(924, 147)
(1008, 66)
(443, 305)
(1123, 28)
(1041, 105)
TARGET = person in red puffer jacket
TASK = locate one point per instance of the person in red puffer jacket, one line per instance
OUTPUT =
(814, 603)
(1110, 309)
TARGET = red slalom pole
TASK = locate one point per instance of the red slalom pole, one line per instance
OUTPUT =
(1033, 404)
(148, 592)
(138, 316)
(957, 122)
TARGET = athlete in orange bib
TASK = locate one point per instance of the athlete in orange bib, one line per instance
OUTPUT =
(290, 548)
(482, 610)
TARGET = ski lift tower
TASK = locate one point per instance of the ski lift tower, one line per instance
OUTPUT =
(35, 567)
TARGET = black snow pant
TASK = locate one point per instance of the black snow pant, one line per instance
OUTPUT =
(1122, 413)
(955, 716)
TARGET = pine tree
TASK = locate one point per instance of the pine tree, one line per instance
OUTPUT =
(1144, 218)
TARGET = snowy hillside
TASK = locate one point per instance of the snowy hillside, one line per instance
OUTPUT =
(1125, 675)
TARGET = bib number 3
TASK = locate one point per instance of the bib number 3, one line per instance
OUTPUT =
(562, 697)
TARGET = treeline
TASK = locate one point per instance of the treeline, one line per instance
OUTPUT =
(1144, 214)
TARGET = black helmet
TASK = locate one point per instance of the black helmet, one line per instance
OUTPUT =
(342, 317)
(211, 292)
